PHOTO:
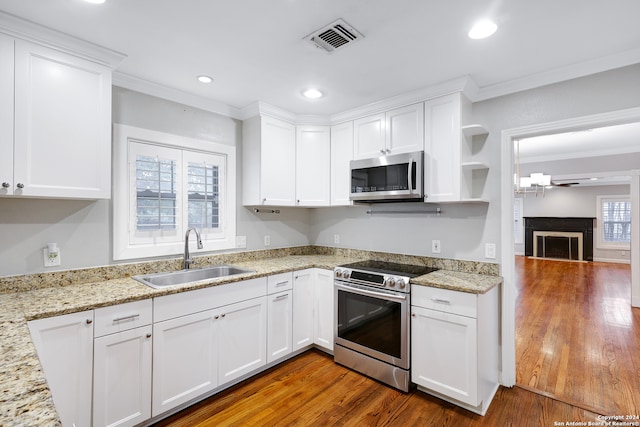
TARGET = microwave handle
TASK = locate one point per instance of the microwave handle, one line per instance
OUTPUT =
(409, 175)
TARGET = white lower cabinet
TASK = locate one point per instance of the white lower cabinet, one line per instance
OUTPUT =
(454, 345)
(323, 313)
(196, 352)
(279, 316)
(122, 378)
(185, 359)
(313, 308)
(65, 348)
(122, 364)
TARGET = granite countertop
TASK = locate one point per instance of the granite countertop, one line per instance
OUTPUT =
(24, 396)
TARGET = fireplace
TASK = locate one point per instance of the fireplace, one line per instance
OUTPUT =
(555, 237)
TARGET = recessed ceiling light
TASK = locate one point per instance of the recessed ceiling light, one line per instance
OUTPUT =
(312, 93)
(593, 179)
(482, 29)
(95, 1)
(205, 79)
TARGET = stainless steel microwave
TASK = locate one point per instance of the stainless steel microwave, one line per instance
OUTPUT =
(393, 178)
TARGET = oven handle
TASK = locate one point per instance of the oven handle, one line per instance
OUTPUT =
(360, 291)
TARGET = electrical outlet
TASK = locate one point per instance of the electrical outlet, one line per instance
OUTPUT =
(435, 246)
(267, 240)
(241, 241)
(336, 239)
(490, 250)
(52, 257)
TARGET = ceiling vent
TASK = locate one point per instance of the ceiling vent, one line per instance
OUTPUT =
(333, 36)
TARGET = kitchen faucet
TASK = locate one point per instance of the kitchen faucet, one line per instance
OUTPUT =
(187, 257)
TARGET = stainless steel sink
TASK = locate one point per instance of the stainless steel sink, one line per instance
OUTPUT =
(183, 277)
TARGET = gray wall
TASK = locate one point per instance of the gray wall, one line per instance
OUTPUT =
(83, 229)
(575, 202)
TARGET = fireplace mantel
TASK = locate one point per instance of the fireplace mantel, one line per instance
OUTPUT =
(561, 224)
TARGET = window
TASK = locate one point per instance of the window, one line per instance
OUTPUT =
(164, 184)
(614, 222)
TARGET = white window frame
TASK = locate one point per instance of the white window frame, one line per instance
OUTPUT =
(126, 245)
(600, 243)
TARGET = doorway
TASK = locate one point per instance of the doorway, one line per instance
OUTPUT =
(507, 231)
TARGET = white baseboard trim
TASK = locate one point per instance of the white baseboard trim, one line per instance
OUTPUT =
(614, 260)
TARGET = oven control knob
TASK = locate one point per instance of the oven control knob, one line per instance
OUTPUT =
(401, 284)
(391, 281)
(338, 272)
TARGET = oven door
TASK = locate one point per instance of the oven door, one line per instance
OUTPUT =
(373, 321)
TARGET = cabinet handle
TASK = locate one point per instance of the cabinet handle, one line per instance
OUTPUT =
(223, 315)
(6, 185)
(121, 319)
(89, 321)
(441, 301)
(264, 200)
(20, 185)
(282, 283)
(413, 315)
(382, 150)
(281, 297)
(216, 317)
(148, 335)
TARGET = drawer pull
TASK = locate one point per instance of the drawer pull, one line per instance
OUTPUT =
(282, 283)
(122, 319)
(441, 301)
(281, 297)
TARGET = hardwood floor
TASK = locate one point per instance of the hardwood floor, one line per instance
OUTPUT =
(577, 337)
(311, 390)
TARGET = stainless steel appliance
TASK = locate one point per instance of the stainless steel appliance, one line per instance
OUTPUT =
(394, 178)
(372, 309)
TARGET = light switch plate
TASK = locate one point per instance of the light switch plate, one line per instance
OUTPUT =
(435, 246)
(267, 240)
(490, 250)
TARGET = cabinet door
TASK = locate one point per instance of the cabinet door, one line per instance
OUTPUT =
(369, 137)
(278, 162)
(242, 344)
(444, 354)
(65, 349)
(341, 155)
(6, 115)
(122, 378)
(313, 165)
(303, 306)
(324, 307)
(442, 149)
(185, 359)
(279, 325)
(62, 124)
(405, 129)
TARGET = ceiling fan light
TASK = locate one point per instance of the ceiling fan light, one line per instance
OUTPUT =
(482, 30)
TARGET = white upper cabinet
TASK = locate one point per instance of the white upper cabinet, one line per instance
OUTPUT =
(269, 162)
(6, 115)
(313, 165)
(454, 170)
(394, 132)
(341, 155)
(61, 144)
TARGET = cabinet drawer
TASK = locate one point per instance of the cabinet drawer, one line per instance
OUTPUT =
(279, 282)
(122, 317)
(445, 300)
(176, 305)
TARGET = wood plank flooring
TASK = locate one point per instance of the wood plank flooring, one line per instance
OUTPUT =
(311, 390)
(577, 336)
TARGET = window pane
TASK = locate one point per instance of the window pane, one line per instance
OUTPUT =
(155, 193)
(616, 221)
(203, 195)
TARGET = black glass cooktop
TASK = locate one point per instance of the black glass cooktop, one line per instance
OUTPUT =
(390, 268)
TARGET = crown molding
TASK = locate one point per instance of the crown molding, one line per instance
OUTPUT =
(161, 91)
(573, 71)
(29, 31)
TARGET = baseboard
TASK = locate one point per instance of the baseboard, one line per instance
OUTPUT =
(613, 260)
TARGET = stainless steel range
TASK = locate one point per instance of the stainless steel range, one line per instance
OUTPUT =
(372, 309)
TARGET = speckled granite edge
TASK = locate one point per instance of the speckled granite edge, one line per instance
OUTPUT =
(56, 279)
(458, 281)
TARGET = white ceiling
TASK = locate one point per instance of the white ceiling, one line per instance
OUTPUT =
(254, 49)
